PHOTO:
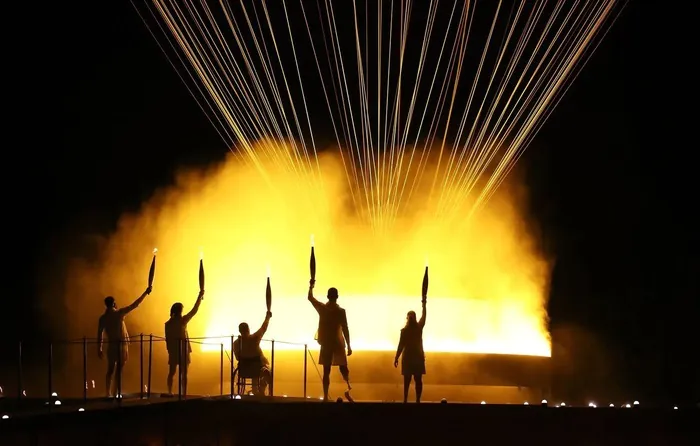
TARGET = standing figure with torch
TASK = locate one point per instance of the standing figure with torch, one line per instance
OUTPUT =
(112, 323)
(177, 338)
(333, 333)
(410, 348)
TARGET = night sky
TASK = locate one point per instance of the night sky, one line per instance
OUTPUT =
(99, 120)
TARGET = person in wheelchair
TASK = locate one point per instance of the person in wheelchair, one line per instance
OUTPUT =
(252, 363)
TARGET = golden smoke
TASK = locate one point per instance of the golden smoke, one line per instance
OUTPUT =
(487, 281)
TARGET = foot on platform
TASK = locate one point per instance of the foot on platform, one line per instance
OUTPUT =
(348, 397)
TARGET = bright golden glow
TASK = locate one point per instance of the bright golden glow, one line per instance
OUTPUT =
(487, 282)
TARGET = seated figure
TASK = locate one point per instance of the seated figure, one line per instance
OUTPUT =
(252, 363)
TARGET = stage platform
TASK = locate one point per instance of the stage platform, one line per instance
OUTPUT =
(224, 421)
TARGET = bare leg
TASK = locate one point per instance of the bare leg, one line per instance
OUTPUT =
(118, 384)
(406, 386)
(326, 381)
(265, 379)
(108, 378)
(171, 375)
(183, 377)
(419, 386)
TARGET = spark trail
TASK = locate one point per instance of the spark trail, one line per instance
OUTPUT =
(476, 90)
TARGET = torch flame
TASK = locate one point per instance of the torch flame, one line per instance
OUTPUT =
(155, 251)
(312, 240)
(201, 253)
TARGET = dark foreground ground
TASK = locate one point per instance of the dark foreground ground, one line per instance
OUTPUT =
(222, 421)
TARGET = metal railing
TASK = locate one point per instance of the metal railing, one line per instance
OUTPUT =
(149, 360)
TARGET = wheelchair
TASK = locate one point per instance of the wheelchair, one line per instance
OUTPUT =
(248, 376)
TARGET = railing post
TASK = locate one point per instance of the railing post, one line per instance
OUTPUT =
(150, 363)
(120, 366)
(272, 371)
(50, 376)
(20, 383)
(306, 354)
(221, 370)
(232, 368)
(141, 363)
(85, 383)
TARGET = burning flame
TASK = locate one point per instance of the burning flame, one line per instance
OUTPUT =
(488, 283)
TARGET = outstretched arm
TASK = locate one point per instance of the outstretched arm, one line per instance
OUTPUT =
(137, 302)
(263, 328)
(194, 309)
(421, 322)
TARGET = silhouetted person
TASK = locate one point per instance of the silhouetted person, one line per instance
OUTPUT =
(177, 341)
(112, 323)
(249, 354)
(411, 352)
(333, 333)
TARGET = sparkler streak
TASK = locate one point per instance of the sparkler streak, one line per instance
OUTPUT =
(530, 56)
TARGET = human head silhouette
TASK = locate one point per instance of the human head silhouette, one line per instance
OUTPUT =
(411, 318)
(176, 310)
(109, 302)
(244, 329)
(332, 294)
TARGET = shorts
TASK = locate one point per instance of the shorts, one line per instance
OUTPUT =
(118, 352)
(173, 358)
(332, 355)
(413, 367)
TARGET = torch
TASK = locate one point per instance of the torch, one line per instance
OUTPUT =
(312, 261)
(152, 271)
(201, 271)
(268, 292)
(425, 283)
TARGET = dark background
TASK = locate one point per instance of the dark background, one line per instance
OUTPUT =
(96, 120)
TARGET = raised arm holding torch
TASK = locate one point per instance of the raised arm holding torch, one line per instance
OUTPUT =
(152, 271)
